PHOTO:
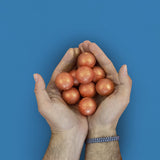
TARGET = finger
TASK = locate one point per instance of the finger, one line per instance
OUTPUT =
(41, 94)
(124, 78)
(67, 62)
(105, 62)
(84, 46)
(124, 88)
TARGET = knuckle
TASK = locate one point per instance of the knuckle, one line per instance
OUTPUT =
(69, 53)
(36, 90)
(71, 50)
(86, 41)
(76, 52)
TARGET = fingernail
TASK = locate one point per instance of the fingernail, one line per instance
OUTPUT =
(35, 76)
(125, 70)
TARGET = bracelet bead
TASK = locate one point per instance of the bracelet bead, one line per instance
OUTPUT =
(102, 139)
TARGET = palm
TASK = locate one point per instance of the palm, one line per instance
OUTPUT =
(67, 116)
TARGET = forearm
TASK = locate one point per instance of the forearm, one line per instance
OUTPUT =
(65, 146)
(105, 150)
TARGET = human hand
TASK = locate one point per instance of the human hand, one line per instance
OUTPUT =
(104, 121)
(62, 118)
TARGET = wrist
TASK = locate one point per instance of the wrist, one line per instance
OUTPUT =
(101, 131)
(73, 137)
(65, 145)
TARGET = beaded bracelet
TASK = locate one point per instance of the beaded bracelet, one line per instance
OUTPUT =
(102, 139)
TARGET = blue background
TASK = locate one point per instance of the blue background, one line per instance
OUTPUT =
(35, 34)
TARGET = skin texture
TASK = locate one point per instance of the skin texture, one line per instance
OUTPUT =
(104, 121)
(69, 128)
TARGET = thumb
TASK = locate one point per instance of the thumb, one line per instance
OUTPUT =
(125, 83)
(123, 75)
(41, 94)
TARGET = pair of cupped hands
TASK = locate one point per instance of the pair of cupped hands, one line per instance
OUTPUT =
(65, 119)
